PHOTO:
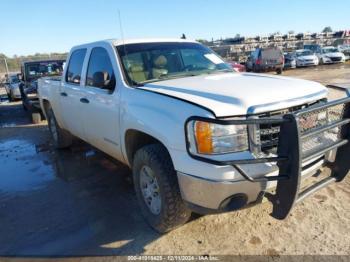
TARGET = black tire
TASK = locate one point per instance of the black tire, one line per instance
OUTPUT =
(279, 71)
(173, 212)
(24, 106)
(61, 138)
(9, 95)
(255, 70)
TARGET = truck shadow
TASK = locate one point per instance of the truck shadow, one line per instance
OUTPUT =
(73, 202)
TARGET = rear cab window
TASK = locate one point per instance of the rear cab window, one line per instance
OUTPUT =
(75, 66)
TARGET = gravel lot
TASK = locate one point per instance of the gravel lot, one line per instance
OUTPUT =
(78, 203)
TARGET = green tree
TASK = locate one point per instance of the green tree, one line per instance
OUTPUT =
(327, 29)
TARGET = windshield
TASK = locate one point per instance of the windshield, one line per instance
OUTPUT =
(14, 79)
(36, 70)
(151, 62)
(330, 50)
(304, 53)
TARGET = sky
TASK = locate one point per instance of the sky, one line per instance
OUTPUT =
(42, 26)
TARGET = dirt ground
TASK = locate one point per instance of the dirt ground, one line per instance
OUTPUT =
(77, 202)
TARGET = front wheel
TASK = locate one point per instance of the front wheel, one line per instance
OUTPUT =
(279, 71)
(157, 189)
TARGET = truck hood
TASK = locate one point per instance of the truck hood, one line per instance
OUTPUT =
(234, 94)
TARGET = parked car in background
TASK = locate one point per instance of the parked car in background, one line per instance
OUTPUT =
(305, 57)
(12, 87)
(345, 49)
(266, 59)
(289, 61)
(315, 48)
(331, 55)
(237, 66)
(30, 73)
(197, 136)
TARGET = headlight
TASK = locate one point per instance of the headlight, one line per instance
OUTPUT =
(210, 139)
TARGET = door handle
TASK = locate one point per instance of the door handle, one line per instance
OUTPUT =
(84, 100)
(64, 94)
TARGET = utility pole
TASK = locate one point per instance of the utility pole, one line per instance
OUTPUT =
(7, 69)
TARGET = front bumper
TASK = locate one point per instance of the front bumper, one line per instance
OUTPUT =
(309, 139)
(30, 99)
(307, 63)
(210, 196)
(333, 61)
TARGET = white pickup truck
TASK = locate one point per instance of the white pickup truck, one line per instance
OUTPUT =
(197, 136)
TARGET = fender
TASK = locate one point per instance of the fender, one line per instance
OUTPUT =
(158, 115)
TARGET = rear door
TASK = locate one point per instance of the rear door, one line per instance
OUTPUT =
(72, 92)
(100, 112)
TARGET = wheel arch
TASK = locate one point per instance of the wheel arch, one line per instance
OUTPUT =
(135, 139)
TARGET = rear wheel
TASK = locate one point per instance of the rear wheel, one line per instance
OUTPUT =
(24, 106)
(279, 71)
(61, 138)
(9, 95)
(157, 189)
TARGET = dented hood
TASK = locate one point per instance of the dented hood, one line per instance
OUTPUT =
(233, 94)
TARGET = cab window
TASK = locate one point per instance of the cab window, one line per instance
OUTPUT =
(75, 66)
(100, 72)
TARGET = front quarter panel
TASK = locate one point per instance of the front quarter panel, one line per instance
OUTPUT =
(164, 118)
(159, 116)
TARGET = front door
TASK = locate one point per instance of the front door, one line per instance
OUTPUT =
(101, 108)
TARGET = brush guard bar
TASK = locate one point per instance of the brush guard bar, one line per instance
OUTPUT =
(305, 135)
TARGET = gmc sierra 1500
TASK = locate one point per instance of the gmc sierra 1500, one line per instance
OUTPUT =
(198, 136)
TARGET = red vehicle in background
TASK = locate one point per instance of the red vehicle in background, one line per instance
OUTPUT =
(237, 66)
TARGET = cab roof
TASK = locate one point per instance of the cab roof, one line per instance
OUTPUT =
(119, 42)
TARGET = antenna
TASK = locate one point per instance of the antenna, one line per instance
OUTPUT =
(122, 35)
(121, 27)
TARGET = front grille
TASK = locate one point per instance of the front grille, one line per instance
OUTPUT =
(336, 59)
(313, 120)
(268, 134)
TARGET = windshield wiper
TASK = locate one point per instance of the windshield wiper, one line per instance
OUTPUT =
(176, 76)
(163, 78)
(221, 71)
(167, 77)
